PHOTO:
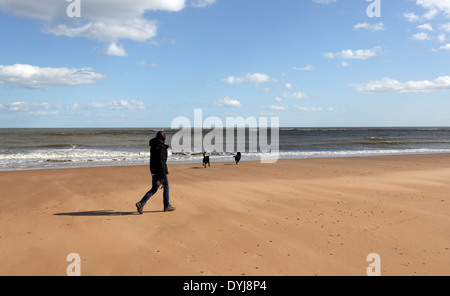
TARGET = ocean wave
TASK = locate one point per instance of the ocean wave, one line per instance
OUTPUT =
(106, 149)
(105, 157)
(73, 157)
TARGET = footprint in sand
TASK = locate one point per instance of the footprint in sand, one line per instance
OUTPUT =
(190, 258)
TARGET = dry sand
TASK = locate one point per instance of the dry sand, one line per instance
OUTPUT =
(295, 217)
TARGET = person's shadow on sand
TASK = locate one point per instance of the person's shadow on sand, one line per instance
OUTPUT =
(102, 213)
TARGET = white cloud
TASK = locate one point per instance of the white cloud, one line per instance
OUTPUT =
(434, 7)
(116, 50)
(106, 21)
(109, 30)
(164, 41)
(349, 54)
(427, 27)
(50, 10)
(445, 47)
(421, 36)
(202, 3)
(227, 101)
(446, 27)
(292, 95)
(310, 109)
(119, 105)
(36, 109)
(144, 63)
(45, 108)
(28, 76)
(299, 95)
(301, 108)
(370, 27)
(411, 17)
(388, 85)
(255, 78)
(298, 108)
(305, 68)
(73, 107)
(276, 107)
(430, 14)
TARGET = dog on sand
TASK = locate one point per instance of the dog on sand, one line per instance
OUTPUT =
(205, 160)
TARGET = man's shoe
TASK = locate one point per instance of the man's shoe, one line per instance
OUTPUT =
(140, 208)
(169, 209)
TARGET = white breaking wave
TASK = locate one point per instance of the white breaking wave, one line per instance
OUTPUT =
(68, 158)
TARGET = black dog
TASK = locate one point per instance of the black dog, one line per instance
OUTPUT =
(237, 158)
(205, 160)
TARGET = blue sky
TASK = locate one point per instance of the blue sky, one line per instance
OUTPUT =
(142, 63)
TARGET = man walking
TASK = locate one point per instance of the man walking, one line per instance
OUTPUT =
(159, 170)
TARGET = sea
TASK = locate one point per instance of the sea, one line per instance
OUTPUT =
(29, 149)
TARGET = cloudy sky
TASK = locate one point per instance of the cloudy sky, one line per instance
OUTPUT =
(142, 63)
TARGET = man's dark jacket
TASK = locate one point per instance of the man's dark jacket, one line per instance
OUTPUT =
(158, 157)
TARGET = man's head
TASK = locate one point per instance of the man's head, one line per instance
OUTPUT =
(161, 135)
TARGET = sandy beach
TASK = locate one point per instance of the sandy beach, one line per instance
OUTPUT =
(294, 217)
